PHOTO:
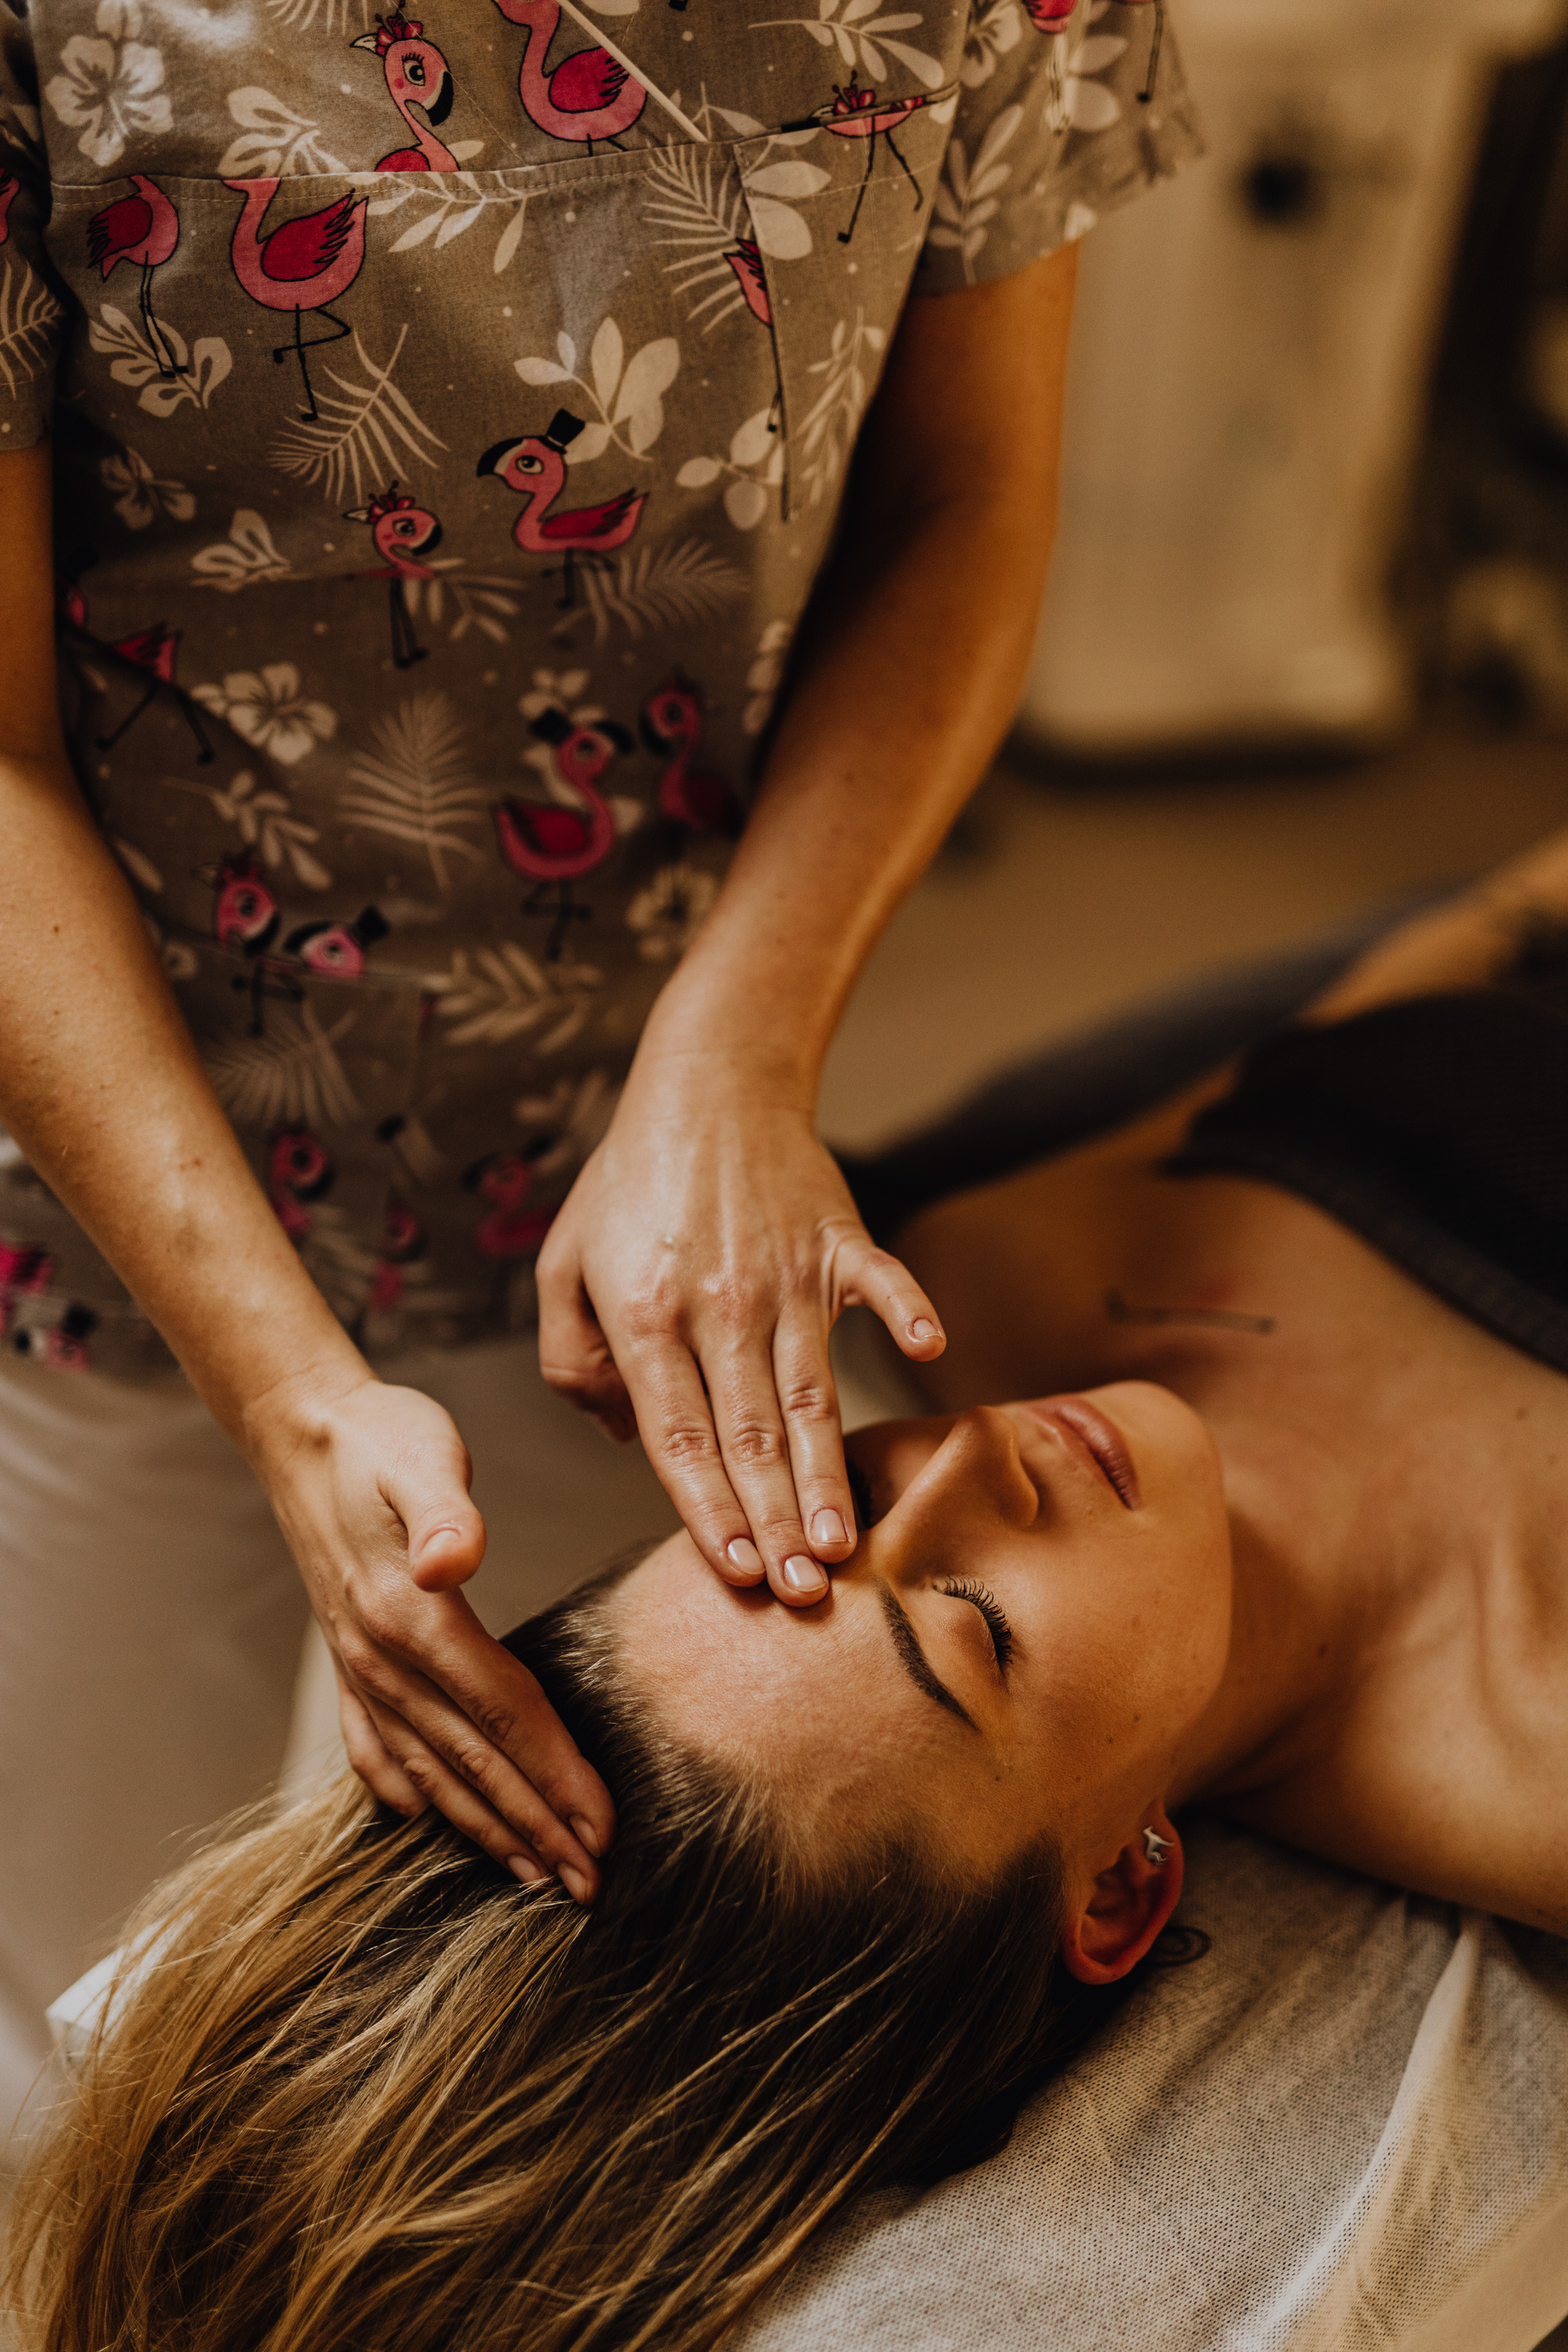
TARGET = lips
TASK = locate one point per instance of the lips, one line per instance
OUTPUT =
(1098, 1437)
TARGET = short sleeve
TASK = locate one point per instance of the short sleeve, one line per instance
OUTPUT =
(32, 314)
(1066, 110)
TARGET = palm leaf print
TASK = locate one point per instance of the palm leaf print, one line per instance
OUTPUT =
(503, 993)
(416, 787)
(703, 212)
(825, 434)
(366, 429)
(25, 318)
(335, 15)
(291, 1075)
(657, 588)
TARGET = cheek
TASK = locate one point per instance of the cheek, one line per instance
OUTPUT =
(1132, 1639)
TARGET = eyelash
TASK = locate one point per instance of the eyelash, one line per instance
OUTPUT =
(991, 1609)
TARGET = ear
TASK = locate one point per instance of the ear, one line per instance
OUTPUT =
(1115, 1923)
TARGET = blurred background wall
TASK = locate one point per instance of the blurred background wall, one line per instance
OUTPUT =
(1305, 643)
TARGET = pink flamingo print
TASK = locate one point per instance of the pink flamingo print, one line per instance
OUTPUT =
(671, 721)
(245, 912)
(302, 265)
(9, 186)
(400, 531)
(298, 1171)
(553, 843)
(403, 1240)
(591, 95)
(855, 113)
(142, 229)
(246, 918)
(153, 651)
(747, 264)
(536, 468)
(416, 75)
(509, 1229)
(23, 1273)
(338, 950)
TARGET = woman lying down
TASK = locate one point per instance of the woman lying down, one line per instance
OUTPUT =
(1269, 1521)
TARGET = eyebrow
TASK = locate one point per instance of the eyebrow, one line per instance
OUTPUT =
(914, 1660)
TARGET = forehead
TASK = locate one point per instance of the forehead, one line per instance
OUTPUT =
(746, 1677)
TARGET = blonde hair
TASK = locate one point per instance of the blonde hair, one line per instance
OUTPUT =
(370, 2093)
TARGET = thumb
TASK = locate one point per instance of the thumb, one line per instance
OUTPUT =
(445, 1533)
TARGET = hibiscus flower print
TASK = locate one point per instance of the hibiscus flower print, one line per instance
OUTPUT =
(267, 707)
(667, 915)
(1075, 98)
(140, 496)
(111, 86)
(993, 29)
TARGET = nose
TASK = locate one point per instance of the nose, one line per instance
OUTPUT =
(980, 1457)
(971, 1476)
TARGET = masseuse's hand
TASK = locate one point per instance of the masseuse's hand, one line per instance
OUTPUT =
(686, 1291)
(369, 1484)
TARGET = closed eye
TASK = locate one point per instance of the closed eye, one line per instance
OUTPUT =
(981, 1597)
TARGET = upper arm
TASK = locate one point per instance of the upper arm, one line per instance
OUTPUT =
(1466, 942)
(971, 400)
(29, 703)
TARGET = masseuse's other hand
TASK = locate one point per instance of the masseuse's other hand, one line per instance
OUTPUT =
(370, 1489)
(686, 1291)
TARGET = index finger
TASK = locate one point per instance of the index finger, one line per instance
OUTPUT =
(675, 1423)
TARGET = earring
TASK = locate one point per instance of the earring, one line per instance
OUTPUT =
(1156, 1847)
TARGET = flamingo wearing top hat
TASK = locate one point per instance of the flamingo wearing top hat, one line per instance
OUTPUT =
(302, 265)
(536, 467)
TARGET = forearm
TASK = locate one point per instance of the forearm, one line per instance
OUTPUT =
(913, 655)
(913, 681)
(102, 1086)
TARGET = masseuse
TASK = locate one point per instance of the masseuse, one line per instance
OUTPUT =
(450, 428)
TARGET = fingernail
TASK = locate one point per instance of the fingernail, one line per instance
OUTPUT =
(922, 1327)
(828, 1528)
(522, 1866)
(574, 1883)
(587, 1835)
(745, 1555)
(803, 1575)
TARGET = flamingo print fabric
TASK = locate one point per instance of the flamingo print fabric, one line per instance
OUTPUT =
(450, 415)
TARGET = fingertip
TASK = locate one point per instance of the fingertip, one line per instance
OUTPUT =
(741, 1563)
(445, 1556)
(923, 1337)
(801, 1581)
(832, 1533)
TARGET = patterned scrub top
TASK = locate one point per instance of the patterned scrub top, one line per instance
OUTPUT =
(450, 417)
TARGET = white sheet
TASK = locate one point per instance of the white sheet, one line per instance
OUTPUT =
(1346, 2127)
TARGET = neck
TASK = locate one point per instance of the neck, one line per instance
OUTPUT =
(1386, 1531)
(439, 158)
